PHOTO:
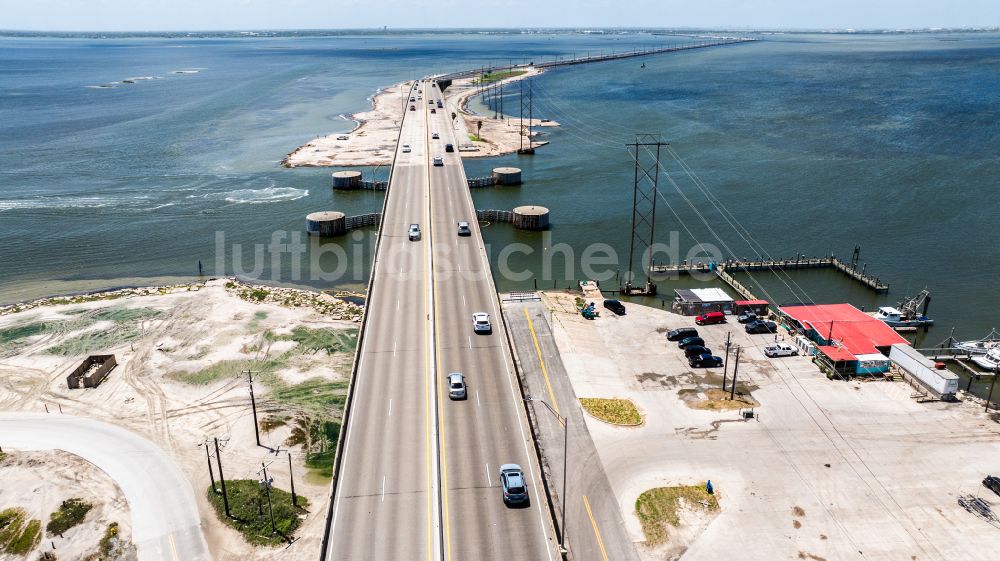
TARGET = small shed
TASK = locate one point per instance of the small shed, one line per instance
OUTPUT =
(697, 301)
(758, 307)
(91, 372)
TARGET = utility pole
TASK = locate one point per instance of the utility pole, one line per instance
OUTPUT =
(295, 500)
(644, 191)
(267, 489)
(725, 365)
(211, 474)
(989, 398)
(222, 479)
(736, 367)
(253, 403)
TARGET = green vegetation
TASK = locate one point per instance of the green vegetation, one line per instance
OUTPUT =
(325, 339)
(316, 395)
(615, 411)
(658, 507)
(491, 77)
(125, 328)
(71, 512)
(248, 505)
(255, 294)
(475, 138)
(18, 535)
(110, 546)
(260, 315)
(218, 371)
(22, 331)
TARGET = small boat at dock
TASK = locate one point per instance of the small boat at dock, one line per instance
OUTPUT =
(896, 319)
(990, 361)
(978, 346)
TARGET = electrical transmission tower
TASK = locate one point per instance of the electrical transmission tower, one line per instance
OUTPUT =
(646, 150)
(525, 131)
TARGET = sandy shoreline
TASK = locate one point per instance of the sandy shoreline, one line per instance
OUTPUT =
(373, 140)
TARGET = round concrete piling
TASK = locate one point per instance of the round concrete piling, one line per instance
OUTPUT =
(531, 218)
(507, 176)
(326, 223)
(346, 179)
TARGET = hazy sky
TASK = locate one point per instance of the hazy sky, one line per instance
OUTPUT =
(157, 15)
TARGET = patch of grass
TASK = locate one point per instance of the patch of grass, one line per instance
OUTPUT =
(321, 463)
(71, 512)
(18, 535)
(121, 314)
(491, 77)
(318, 438)
(316, 395)
(109, 543)
(718, 400)
(93, 342)
(218, 371)
(656, 508)
(255, 294)
(23, 331)
(475, 138)
(325, 339)
(614, 411)
(248, 504)
(260, 315)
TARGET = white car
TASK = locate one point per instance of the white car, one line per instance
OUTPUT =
(435, 135)
(780, 349)
(343, 137)
(481, 322)
(407, 149)
(438, 161)
(414, 232)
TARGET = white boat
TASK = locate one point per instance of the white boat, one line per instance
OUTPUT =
(978, 346)
(989, 361)
(895, 318)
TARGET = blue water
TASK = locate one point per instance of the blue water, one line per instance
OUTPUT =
(815, 143)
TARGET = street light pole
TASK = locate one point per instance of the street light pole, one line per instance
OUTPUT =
(562, 503)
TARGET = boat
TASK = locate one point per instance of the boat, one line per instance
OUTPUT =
(989, 361)
(896, 319)
(978, 346)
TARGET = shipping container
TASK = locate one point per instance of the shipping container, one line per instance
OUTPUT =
(942, 383)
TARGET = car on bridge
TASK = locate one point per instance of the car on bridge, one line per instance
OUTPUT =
(463, 229)
(407, 149)
(433, 110)
(515, 489)
(413, 107)
(456, 386)
(414, 232)
(449, 147)
(438, 161)
(435, 135)
(481, 323)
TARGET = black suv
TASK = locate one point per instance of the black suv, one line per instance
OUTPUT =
(761, 326)
(615, 306)
(705, 361)
(690, 342)
(681, 333)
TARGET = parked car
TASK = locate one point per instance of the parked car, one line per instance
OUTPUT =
(463, 229)
(705, 361)
(438, 161)
(761, 326)
(435, 135)
(710, 318)
(449, 147)
(481, 323)
(696, 350)
(456, 386)
(690, 342)
(681, 333)
(343, 137)
(406, 148)
(992, 483)
(414, 232)
(515, 489)
(615, 306)
(780, 349)
(746, 317)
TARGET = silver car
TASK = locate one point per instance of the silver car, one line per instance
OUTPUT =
(481, 322)
(414, 232)
(463, 229)
(456, 386)
(438, 161)
(515, 489)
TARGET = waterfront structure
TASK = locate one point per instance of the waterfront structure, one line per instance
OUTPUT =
(695, 301)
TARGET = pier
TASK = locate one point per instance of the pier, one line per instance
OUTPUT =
(736, 265)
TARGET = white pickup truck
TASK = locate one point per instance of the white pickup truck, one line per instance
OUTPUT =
(780, 349)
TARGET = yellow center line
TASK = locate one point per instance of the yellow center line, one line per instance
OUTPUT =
(428, 372)
(597, 533)
(173, 547)
(545, 372)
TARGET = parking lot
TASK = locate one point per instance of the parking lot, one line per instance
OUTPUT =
(826, 469)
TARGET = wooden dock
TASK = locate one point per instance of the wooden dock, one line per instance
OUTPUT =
(735, 265)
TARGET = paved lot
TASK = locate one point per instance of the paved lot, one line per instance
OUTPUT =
(830, 470)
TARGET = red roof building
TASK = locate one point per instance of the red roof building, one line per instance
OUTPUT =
(845, 327)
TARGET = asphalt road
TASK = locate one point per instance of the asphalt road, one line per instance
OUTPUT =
(419, 475)
(165, 521)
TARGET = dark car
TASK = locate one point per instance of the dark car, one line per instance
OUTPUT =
(449, 148)
(615, 306)
(705, 361)
(515, 489)
(681, 333)
(691, 341)
(747, 317)
(761, 326)
(696, 350)
(992, 483)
